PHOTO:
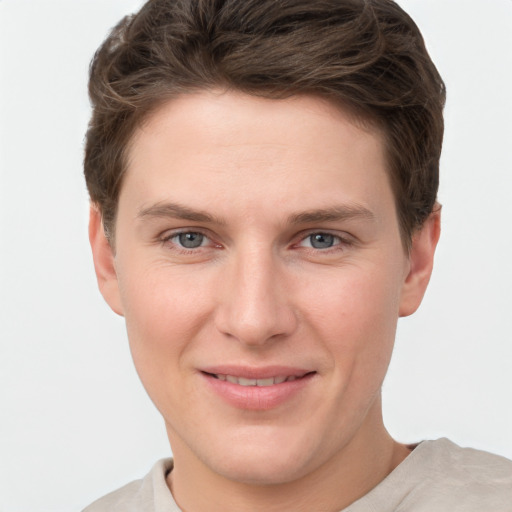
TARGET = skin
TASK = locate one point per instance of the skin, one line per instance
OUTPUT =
(260, 291)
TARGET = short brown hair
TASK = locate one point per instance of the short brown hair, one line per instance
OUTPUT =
(368, 55)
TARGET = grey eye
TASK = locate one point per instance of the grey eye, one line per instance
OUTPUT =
(322, 240)
(191, 240)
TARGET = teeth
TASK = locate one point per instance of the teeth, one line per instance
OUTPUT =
(246, 382)
(265, 382)
(242, 381)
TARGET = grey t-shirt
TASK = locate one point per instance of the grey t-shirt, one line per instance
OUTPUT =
(438, 476)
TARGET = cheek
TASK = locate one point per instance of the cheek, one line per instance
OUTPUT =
(356, 316)
(164, 313)
(163, 316)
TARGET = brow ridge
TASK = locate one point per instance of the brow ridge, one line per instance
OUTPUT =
(331, 214)
(177, 211)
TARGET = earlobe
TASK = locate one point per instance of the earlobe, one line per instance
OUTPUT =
(421, 262)
(103, 256)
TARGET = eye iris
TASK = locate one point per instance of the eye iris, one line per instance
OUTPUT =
(321, 240)
(191, 240)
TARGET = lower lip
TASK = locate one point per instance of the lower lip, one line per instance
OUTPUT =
(257, 398)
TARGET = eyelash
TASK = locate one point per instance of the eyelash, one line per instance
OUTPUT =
(340, 242)
(167, 239)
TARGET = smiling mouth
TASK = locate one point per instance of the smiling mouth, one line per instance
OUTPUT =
(243, 381)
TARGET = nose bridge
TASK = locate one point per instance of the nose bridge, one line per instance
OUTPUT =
(255, 307)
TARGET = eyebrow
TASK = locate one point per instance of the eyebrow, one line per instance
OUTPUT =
(177, 211)
(337, 213)
(332, 214)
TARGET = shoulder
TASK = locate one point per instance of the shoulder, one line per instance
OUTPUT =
(466, 465)
(121, 499)
(443, 477)
(449, 477)
(140, 495)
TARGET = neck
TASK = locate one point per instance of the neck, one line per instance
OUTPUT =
(358, 467)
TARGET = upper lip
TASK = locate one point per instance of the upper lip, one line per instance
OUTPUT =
(253, 372)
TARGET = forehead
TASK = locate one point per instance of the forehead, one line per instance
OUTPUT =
(219, 111)
(224, 149)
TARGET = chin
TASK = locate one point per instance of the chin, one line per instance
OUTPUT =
(263, 459)
(262, 471)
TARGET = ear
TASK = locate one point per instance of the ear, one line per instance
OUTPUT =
(104, 264)
(421, 262)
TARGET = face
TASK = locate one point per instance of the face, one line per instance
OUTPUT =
(261, 272)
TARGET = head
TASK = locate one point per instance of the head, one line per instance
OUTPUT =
(263, 176)
(365, 55)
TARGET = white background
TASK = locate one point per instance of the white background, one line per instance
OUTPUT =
(75, 422)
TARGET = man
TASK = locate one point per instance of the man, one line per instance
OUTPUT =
(263, 180)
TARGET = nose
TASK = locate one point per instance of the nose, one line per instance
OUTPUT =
(254, 305)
